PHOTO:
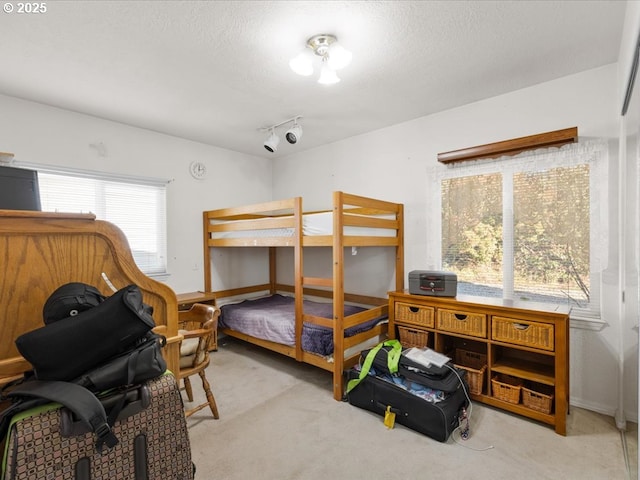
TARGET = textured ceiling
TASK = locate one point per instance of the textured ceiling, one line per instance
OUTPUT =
(216, 71)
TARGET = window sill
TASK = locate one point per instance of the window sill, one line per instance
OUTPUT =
(587, 323)
(160, 277)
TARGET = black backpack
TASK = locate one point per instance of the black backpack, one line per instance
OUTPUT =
(69, 300)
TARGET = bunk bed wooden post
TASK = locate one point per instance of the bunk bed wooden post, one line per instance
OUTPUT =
(273, 275)
(207, 252)
(400, 250)
(298, 273)
(338, 294)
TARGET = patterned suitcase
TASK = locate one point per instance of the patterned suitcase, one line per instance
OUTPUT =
(48, 443)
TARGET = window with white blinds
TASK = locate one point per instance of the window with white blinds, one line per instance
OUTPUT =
(137, 206)
(528, 227)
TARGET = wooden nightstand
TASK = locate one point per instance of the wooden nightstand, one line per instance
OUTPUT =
(186, 300)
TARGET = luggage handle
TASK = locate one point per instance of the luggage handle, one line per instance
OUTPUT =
(84, 403)
(392, 409)
(135, 400)
(392, 361)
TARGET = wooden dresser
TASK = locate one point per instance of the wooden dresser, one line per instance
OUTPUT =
(516, 353)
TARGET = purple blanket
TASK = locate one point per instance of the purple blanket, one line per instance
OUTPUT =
(273, 318)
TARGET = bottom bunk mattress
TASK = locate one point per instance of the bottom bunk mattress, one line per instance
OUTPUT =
(273, 318)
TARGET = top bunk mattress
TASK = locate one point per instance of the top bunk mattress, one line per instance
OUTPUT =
(313, 224)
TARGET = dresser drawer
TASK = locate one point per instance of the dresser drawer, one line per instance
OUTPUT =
(414, 314)
(456, 321)
(520, 332)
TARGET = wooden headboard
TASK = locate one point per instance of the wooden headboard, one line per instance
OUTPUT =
(40, 251)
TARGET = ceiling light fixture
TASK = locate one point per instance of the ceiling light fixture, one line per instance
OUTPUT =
(334, 57)
(293, 135)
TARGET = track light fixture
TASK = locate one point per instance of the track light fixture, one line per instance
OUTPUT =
(293, 135)
(272, 142)
(334, 57)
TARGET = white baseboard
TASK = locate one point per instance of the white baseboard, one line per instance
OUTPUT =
(603, 409)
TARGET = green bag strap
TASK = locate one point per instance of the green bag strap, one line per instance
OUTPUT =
(393, 357)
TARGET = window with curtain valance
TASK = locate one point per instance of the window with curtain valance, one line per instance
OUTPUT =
(527, 227)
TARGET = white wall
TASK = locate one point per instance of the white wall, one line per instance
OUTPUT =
(41, 134)
(393, 164)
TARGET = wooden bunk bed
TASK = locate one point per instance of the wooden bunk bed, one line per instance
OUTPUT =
(40, 251)
(356, 222)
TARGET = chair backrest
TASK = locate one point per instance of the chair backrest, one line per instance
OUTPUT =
(196, 325)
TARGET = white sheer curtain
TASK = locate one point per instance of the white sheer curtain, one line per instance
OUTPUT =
(536, 165)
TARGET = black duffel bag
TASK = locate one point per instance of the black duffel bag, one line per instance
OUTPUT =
(446, 378)
(69, 347)
(143, 362)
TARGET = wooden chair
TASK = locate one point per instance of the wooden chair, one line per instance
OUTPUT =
(197, 326)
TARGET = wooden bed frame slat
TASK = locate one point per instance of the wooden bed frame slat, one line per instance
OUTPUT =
(317, 281)
(287, 350)
(323, 322)
(360, 337)
(261, 224)
(348, 297)
(355, 200)
(370, 314)
(371, 222)
(355, 241)
(253, 242)
(266, 208)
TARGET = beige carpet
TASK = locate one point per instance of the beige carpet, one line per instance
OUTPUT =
(278, 421)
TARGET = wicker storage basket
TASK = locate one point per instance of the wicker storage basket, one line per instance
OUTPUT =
(475, 378)
(518, 332)
(475, 364)
(506, 388)
(539, 399)
(474, 324)
(414, 314)
(412, 337)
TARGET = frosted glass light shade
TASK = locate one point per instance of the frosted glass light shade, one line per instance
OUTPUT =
(339, 57)
(328, 75)
(302, 63)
